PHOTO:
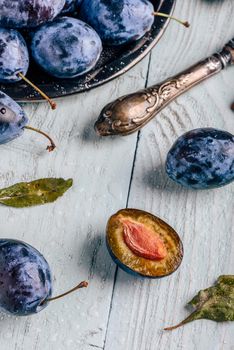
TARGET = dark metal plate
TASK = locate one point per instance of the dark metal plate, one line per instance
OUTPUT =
(113, 62)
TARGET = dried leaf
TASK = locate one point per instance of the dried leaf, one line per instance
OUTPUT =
(27, 194)
(215, 303)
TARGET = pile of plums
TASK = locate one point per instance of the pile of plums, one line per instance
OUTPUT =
(65, 37)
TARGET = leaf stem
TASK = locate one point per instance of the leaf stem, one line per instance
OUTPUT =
(52, 145)
(83, 284)
(184, 23)
(47, 98)
(190, 318)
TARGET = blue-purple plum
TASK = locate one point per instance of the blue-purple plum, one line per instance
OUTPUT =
(28, 13)
(202, 159)
(12, 119)
(66, 48)
(25, 278)
(71, 6)
(14, 57)
(118, 21)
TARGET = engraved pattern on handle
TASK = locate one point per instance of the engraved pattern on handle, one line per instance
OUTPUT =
(131, 112)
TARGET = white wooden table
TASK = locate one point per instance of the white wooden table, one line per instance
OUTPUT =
(117, 311)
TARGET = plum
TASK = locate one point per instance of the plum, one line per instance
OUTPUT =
(118, 21)
(142, 244)
(14, 57)
(66, 48)
(202, 159)
(25, 278)
(14, 60)
(71, 6)
(28, 13)
(13, 121)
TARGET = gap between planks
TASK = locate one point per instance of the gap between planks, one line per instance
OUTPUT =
(127, 201)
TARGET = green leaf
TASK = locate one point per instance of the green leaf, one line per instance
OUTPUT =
(27, 194)
(215, 303)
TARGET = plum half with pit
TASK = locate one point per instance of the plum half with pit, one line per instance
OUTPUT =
(28, 13)
(202, 159)
(142, 244)
(25, 278)
(118, 21)
(66, 48)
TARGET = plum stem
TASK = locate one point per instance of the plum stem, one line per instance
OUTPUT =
(83, 284)
(184, 23)
(52, 145)
(47, 98)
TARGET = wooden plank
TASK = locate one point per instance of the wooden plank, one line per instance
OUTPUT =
(204, 219)
(70, 232)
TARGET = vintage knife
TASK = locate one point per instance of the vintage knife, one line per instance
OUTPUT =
(130, 113)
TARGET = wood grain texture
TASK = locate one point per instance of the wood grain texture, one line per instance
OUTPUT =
(70, 232)
(118, 312)
(204, 219)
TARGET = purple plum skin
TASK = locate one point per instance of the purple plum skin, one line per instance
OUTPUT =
(71, 6)
(66, 48)
(12, 119)
(14, 57)
(118, 22)
(202, 159)
(25, 278)
(28, 13)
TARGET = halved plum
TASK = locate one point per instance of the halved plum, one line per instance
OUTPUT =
(141, 243)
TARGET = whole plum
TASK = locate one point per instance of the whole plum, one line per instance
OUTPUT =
(14, 58)
(12, 119)
(66, 48)
(25, 278)
(28, 13)
(71, 6)
(202, 159)
(118, 21)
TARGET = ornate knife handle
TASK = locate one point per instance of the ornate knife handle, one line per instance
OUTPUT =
(130, 113)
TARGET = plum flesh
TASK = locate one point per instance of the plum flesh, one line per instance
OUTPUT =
(25, 278)
(151, 249)
(202, 159)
